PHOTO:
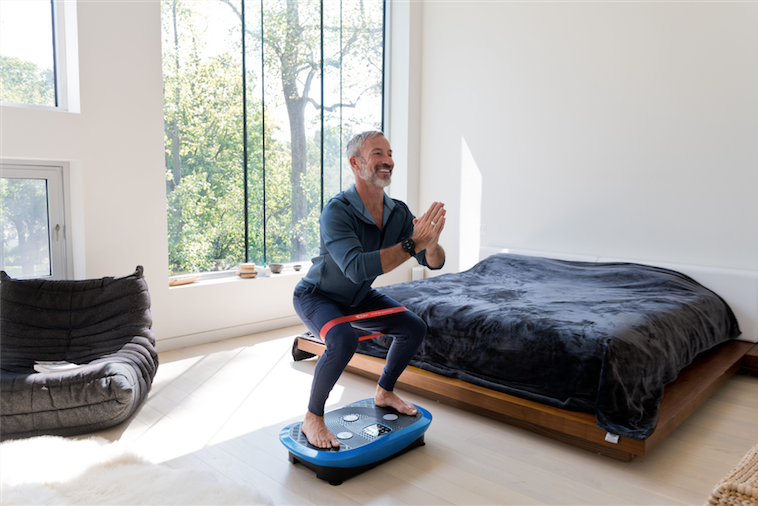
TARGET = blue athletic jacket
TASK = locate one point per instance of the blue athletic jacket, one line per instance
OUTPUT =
(350, 243)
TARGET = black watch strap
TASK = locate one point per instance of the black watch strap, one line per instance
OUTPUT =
(409, 246)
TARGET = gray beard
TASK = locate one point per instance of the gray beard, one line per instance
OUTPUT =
(372, 178)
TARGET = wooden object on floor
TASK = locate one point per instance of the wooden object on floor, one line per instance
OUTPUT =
(682, 397)
(740, 486)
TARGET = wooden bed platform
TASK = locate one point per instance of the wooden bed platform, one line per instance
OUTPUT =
(694, 385)
(751, 362)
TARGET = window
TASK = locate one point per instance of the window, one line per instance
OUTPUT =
(260, 98)
(38, 54)
(32, 222)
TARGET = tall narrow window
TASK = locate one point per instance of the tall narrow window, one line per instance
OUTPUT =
(27, 52)
(260, 98)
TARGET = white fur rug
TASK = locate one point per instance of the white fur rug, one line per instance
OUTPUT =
(60, 471)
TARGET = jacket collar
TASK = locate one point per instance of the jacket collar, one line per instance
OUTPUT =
(357, 204)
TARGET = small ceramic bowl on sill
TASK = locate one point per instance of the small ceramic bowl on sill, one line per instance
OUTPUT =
(276, 268)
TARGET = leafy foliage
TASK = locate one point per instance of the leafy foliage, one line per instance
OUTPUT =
(24, 225)
(205, 94)
(293, 162)
(23, 82)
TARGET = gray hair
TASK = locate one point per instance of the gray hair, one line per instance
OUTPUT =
(355, 146)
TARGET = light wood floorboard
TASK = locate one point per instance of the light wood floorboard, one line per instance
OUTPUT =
(219, 407)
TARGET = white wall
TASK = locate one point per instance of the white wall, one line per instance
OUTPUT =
(115, 145)
(613, 129)
(626, 129)
(115, 140)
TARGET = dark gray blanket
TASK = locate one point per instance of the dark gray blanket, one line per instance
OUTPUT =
(600, 338)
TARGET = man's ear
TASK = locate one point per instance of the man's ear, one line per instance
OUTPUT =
(355, 163)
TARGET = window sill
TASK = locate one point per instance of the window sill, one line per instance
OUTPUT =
(218, 278)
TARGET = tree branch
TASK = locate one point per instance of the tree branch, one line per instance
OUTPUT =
(335, 106)
(331, 107)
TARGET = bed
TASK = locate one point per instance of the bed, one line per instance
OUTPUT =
(577, 348)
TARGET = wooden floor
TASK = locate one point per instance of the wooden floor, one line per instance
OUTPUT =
(219, 407)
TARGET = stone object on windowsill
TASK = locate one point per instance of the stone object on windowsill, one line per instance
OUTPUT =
(297, 267)
(247, 271)
(276, 268)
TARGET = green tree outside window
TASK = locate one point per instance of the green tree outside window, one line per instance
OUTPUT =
(313, 76)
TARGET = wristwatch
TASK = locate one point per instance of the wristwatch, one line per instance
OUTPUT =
(409, 246)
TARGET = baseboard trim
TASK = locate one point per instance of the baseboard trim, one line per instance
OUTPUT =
(212, 336)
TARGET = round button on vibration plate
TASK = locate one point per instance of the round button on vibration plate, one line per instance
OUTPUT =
(390, 417)
(350, 418)
(344, 435)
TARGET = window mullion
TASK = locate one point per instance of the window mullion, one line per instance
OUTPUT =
(263, 132)
(323, 78)
(245, 165)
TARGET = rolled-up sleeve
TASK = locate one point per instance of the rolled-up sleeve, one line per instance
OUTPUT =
(421, 258)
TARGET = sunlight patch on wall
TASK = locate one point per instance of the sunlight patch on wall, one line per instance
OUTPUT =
(470, 209)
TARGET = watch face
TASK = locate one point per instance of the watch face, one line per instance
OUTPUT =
(409, 246)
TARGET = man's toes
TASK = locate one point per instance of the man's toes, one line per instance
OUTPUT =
(410, 410)
(324, 441)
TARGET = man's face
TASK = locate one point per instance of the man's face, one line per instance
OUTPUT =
(376, 162)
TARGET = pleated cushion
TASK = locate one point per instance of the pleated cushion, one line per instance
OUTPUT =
(104, 325)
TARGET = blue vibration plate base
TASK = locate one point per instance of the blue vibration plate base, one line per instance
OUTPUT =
(368, 435)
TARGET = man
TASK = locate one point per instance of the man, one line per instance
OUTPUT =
(364, 233)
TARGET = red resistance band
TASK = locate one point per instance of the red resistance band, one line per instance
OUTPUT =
(361, 316)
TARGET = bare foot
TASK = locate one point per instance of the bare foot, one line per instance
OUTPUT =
(316, 432)
(386, 399)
